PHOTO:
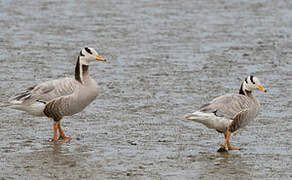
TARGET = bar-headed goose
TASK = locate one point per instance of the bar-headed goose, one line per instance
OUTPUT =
(60, 97)
(230, 112)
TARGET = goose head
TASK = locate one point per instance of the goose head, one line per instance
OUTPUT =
(88, 54)
(251, 83)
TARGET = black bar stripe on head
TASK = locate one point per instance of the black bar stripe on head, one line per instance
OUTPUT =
(88, 50)
(251, 79)
(246, 80)
(81, 53)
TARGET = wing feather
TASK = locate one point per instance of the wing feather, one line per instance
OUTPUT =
(58, 107)
(227, 105)
(45, 92)
(239, 120)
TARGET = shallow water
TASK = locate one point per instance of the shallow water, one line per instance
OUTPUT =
(165, 59)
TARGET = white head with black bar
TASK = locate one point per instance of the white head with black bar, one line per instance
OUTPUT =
(249, 84)
(88, 54)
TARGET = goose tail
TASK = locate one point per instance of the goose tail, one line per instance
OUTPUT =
(198, 116)
(210, 120)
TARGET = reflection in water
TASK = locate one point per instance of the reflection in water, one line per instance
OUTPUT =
(51, 160)
(230, 164)
(56, 148)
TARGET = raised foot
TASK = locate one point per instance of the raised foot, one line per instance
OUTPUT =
(223, 149)
(66, 139)
(231, 148)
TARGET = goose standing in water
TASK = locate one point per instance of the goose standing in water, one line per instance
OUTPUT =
(61, 97)
(230, 112)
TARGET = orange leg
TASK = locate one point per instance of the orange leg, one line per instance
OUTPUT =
(62, 134)
(55, 136)
(227, 136)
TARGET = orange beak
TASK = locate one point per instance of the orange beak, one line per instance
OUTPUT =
(99, 58)
(261, 88)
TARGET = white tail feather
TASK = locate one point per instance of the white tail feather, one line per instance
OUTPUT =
(210, 120)
(35, 108)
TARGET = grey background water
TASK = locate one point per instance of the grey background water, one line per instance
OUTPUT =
(165, 59)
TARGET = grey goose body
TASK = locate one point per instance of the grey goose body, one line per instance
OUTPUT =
(230, 112)
(61, 97)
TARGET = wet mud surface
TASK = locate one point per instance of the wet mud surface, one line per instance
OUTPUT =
(165, 59)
